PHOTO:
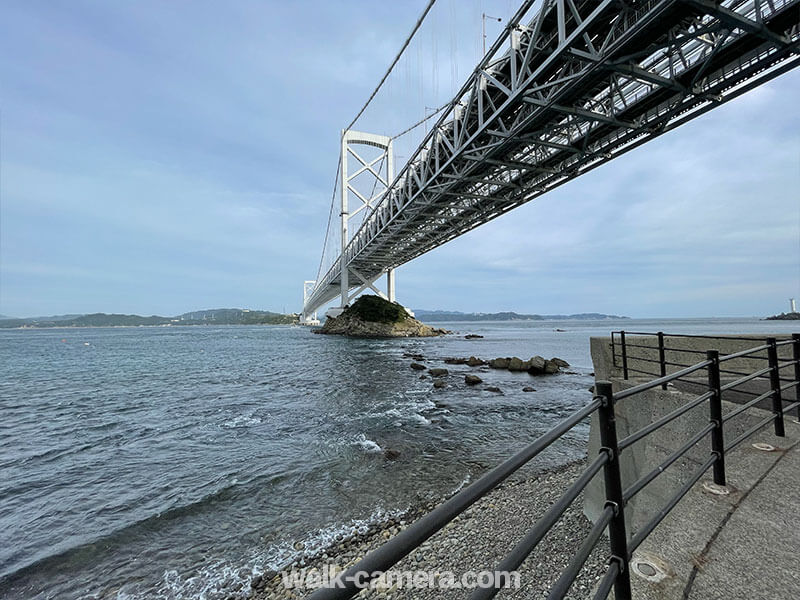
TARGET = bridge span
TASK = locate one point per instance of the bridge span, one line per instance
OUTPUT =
(568, 86)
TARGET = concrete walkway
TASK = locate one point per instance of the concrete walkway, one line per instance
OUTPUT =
(744, 545)
(757, 552)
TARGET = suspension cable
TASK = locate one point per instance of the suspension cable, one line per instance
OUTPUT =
(395, 61)
(417, 25)
(330, 215)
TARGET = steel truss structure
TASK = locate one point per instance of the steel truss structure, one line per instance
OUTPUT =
(568, 86)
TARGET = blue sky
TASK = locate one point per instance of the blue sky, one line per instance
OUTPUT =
(161, 157)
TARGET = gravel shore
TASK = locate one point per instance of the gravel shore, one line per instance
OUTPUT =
(476, 541)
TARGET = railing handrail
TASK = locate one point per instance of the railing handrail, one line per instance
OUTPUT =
(612, 517)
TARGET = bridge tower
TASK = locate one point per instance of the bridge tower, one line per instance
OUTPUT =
(308, 319)
(377, 171)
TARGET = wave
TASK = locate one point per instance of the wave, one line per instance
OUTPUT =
(363, 442)
(123, 535)
(241, 421)
(222, 579)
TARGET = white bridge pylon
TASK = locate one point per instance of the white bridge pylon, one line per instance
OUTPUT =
(365, 180)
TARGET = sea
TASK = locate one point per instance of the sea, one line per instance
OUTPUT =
(180, 462)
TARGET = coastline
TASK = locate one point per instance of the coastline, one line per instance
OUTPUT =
(475, 541)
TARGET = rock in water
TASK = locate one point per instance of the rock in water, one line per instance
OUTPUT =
(475, 362)
(391, 454)
(455, 361)
(418, 367)
(517, 364)
(499, 363)
(438, 372)
(372, 316)
(550, 368)
(536, 365)
(439, 384)
(560, 362)
(472, 379)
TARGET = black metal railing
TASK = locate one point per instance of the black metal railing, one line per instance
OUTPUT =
(612, 517)
(634, 357)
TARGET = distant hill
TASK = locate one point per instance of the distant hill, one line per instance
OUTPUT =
(442, 315)
(235, 316)
(219, 316)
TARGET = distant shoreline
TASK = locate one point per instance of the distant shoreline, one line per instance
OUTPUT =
(61, 327)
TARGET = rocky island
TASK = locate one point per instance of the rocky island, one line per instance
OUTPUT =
(372, 316)
(792, 316)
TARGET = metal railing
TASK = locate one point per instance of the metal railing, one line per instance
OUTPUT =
(612, 517)
(626, 353)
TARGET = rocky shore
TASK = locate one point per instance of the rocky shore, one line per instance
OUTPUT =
(475, 541)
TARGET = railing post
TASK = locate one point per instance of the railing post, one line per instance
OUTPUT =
(661, 357)
(775, 382)
(613, 350)
(613, 484)
(624, 355)
(715, 404)
(796, 356)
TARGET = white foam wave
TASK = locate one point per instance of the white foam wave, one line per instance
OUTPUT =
(367, 444)
(241, 421)
(420, 419)
(221, 580)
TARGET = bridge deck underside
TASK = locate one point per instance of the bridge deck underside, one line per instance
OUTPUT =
(582, 83)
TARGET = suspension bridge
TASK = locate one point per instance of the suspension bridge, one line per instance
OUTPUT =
(568, 86)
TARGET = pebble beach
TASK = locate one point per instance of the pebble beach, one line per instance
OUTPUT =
(475, 541)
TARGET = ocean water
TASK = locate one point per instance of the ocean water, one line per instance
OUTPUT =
(179, 462)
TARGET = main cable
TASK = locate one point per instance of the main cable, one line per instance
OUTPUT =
(394, 62)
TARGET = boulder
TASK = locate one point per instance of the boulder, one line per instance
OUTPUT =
(528, 388)
(473, 336)
(492, 388)
(418, 367)
(499, 363)
(423, 376)
(438, 372)
(560, 362)
(517, 364)
(550, 368)
(391, 454)
(536, 365)
(475, 362)
(439, 384)
(472, 379)
(455, 361)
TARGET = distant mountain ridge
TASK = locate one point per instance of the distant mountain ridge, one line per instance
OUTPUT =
(444, 315)
(217, 316)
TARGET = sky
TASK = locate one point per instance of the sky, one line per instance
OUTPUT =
(161, 157)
